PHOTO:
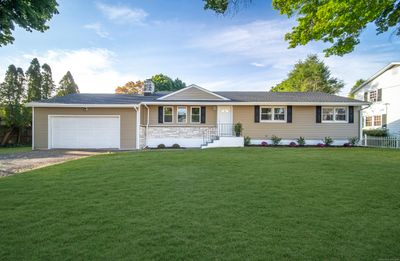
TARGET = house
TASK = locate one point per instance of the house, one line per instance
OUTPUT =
(190, 117)
(382, 90)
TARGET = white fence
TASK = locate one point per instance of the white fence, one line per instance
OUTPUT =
(381, 142)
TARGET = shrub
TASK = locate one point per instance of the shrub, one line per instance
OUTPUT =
(347, 144)
(376, 132)
(264, 143)
(275, 140)
(301, 141)
(293, 144)
(161, 146)
(328, 141)
(238, 129)
(176, 146)
(321, 145)
(353, 141)
(247, 141)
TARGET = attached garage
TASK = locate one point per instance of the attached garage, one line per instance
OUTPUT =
(84, 132)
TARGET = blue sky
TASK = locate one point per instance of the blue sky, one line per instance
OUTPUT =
(107, 43)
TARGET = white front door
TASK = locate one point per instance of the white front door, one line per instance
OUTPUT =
(225, 121)
(84, 132)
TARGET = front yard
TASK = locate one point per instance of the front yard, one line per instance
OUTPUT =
(250, 203)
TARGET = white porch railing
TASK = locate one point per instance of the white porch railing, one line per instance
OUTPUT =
(222, 130)
(381, 142)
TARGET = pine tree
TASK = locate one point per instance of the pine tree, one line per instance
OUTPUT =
(67, 85)
(11, 98)
(34, 79)
(47, 82)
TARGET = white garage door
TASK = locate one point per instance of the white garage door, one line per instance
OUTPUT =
(84, 132)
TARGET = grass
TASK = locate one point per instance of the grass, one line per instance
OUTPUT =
(250, 203)
(8, 150)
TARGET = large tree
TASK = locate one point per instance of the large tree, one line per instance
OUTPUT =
(310, 75)
(11, 99)
(339, 23)
(28, 14)
(131, 88)
(48, 85)
(34, 81)
(355, 86)
(67, 85)
(164, 83)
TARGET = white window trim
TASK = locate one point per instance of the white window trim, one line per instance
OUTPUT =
(172, 107)
(334, 114)
(195, 122)
(273, 114)
(177, 115)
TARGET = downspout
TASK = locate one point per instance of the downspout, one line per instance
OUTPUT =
(147, 123)
(137, 109)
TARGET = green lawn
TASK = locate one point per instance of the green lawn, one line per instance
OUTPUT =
(7, 150)
(250, 203)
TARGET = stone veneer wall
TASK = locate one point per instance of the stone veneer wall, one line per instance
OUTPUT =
(142, 137)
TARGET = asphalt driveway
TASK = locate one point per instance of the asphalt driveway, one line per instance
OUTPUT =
(22, 161)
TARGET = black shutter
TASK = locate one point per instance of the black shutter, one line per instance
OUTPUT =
(379, 94)
(256, 113)
(289, 114)
(351, 114)
(160, 114)
(365, 96)
(318, 115)
(203, 114)
(384, 121)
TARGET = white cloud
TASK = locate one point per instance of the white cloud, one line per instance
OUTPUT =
(123, 14)
(258, 64)
(98, 29)
(94, 70)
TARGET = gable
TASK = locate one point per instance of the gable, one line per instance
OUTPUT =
(192, 92)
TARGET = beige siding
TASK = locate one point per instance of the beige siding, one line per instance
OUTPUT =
(211, 116)
(128, 123)
(192, 94)
(303, 124)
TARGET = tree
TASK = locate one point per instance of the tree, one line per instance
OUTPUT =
(355, 86)
(339, 23)
(165, 83)
(67, 85)
(48, 85)
(30, 15)
(131, 88)
(11, 98)
(34, 79)
(312, 75)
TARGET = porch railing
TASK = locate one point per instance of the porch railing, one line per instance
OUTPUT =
(220, 130)
(381, 142)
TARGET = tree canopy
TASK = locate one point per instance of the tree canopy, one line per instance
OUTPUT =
(339, 23)
(34, 79)
(48, 85)
(310, 75)
(161, 83)
(27, 14)
(355, 86)
(67, 85)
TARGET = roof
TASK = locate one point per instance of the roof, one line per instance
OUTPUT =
(230, 97)
(376, 75)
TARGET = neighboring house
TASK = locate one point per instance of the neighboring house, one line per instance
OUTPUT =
(190, 117)
(382, 90)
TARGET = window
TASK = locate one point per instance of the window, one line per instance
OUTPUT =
(168, 114)
(334, 114)
(378, 120)
(368, 121)
(182, 114)
(195, 115)
(373, 96)
(272, 114)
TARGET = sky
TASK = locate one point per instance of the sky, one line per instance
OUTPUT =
(108, 43)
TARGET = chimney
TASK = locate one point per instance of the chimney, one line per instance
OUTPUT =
(148, 87)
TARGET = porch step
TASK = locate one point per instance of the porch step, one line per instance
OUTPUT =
(225, 142)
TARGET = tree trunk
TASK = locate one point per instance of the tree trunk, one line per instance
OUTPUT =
(19, 136)
(7, 135)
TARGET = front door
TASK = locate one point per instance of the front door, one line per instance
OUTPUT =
(225, 121)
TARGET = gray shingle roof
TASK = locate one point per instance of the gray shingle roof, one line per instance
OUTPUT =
(120, 99)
